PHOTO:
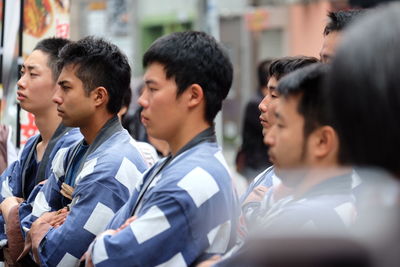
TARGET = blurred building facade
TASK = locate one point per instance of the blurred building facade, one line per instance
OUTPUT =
(252, 30)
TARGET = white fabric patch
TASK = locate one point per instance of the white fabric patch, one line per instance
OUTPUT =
(218, 238)
(3, 242)
(276, 180)
(87, 169)
(152, 223)
(98, 220)
(68, 260)
(5, 189)
(200, 185)
(128, 174)
(57, 165)
(346, 212)
(175, 261)
(40, 205)
(99, 252)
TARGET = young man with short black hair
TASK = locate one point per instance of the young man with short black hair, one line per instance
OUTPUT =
(333, 30)
(36, 86)
(185, 207)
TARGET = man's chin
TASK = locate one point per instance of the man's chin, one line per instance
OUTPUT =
(68, 123)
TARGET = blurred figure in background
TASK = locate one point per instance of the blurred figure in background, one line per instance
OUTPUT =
(364, 94)
(251, 199)
(304, 150)
(277, 69)
(252, 157)
(338, 21)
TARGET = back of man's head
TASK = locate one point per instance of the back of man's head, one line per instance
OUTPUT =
(99, 63)
(308, 83)
(363, 89)
(282, 66)
(51, 47)
(339, 20)
(194, 58)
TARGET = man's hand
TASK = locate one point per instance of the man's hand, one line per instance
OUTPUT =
(210, 262)
(87, 259)
(67, 191)
(126, 223)
(55, 218)
(59, 218)
(257, 194)
(87, 256)
(8, 203)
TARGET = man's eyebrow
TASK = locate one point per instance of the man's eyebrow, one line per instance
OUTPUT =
(29, 67)
(63, 82)
(150, 82)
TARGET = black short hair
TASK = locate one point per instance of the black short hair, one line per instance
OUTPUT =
(262, 72)
(51, 47)
(339, 20)
(99, 63)
(126, 101)
(308, 83)
(364, 93)
(194, 57)
(282, 66)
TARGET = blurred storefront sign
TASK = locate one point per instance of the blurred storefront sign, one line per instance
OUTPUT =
(257, 20)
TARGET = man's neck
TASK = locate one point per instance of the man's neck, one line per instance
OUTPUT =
(185, 135)
(47, 123)
(92, 129)
(315, 176)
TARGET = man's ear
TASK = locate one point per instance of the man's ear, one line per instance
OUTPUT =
(195, 95)
(100, 96)
(325, 141)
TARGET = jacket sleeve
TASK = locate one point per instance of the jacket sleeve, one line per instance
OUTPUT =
(91, 211)
(162, 228)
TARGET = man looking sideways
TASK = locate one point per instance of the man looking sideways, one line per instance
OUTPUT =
(36, 87)
(185, 207)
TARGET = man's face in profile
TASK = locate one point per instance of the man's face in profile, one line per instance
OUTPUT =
(329, 45)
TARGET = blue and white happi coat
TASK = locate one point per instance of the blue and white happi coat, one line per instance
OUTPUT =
(328, 208)
(103, 185)
(17, 181)
(188, 213)
(266, 178)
